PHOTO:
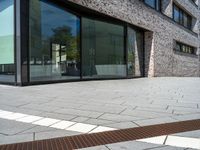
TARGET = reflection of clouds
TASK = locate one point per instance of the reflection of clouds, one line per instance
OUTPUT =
(54, 17)
(6, 17)
(4, 4)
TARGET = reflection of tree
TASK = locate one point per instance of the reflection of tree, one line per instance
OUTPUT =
(63, 35)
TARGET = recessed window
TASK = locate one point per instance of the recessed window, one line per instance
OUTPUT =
(156, 4)
(182, 17)
(184, 48)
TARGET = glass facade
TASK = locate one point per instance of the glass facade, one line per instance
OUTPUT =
(135, 48)
(54, 38)
(7, 65)
(103, 51)
(63, 46)
(58, 43)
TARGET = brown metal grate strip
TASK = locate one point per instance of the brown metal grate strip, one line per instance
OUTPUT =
(95, 139)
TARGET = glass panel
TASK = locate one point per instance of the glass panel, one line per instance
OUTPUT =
(135, 53)
(54, 42)
(181, 17)
(102, 50)
(151, 3)
(7, 67)
(189, 24)
(158, 5)
(178, 47)
(176, 14)
(185, 18)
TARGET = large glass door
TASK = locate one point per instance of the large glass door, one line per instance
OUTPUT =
(103, 54)
(54, 42)
(135, 53)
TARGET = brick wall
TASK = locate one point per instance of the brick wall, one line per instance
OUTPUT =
(161, 60)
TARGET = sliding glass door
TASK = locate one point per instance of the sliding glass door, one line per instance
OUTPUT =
(64, 46)
(54, 39)
(103, 54)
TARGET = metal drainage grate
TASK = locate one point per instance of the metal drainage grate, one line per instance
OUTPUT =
(95, 139)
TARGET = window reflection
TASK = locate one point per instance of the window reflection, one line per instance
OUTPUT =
(135, 53)
(54, 42)
(7, 67)
(102, 49)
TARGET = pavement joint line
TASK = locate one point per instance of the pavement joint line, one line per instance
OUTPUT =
(50, 122)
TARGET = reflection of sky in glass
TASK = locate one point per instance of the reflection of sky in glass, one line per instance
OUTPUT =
(54, 17)
(6, 17)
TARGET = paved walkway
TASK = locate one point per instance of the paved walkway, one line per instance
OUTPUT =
(114, 104)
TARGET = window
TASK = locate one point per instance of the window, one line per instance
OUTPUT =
(135, 53)
(156, 4)
(184, 48)
(103, 50)
(182, 17)
(54, 42)
(7, 67)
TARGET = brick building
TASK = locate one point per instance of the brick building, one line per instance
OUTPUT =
(44, 41)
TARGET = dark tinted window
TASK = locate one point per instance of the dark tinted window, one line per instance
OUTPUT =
(185, 48)
(156, 4)
(182, 17)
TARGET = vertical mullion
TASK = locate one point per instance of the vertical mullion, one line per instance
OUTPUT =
(81, 49)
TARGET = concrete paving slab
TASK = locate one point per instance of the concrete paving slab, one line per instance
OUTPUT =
(77, 112)
(9, 127)
(122, 125)
(119, 118)
(192, 134)
(118, 103)
(15, 138)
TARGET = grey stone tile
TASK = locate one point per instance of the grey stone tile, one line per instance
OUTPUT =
(80, 119)
(99, 122)
(15, 139)
(77, 112)
(41, 107)
(144, 114)
(54, 134)
(118, 118)
(132, 145)
(185, 117)
(166, 148)
(9, 127)
(192, 134)
(64, 104)
(106, 109)
(58, 116)
(38, 129)
(154, 121)
(95, 148)
(64, 101)
(122, 125)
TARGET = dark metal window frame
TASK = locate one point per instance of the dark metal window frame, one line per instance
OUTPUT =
(181, 19)
(185, 45)
(80, 12)
(157, 6)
